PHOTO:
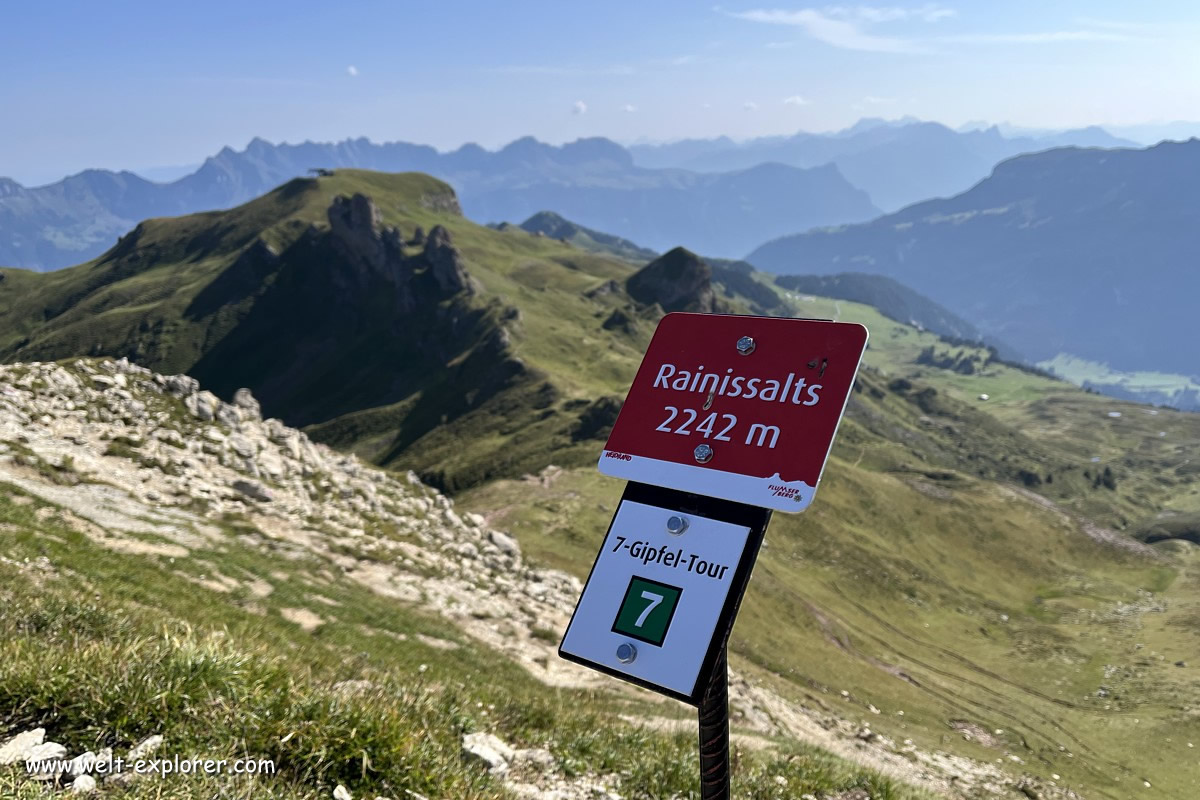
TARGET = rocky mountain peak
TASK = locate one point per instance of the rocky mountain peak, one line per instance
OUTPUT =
(357, 213)
(678, 280)
(357, 228)
(446, 263)
(372, 248)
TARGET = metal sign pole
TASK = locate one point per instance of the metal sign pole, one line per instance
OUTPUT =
(714, 734)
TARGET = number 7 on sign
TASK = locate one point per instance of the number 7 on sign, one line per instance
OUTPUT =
(654, 599)
(646, 610)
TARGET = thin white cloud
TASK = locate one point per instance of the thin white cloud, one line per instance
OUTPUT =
(872, 100)
(930, 12)
(824, 27)
(352, 71)
(578, 107)
(680, 61)
(630, 108)
(1044, 37)
(848, 27)
(795, 100)
(561, 70)
(750, 105)
(1122, 25)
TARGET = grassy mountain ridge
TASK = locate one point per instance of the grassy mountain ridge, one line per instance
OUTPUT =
(891, 297)
(345, 329)
(553, 225)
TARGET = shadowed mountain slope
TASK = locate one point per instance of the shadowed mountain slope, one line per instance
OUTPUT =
(892, 298)
(1084, 252)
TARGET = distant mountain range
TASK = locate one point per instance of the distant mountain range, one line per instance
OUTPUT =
(896, 162)
(1086, 252)
(716, 197)
(591, 180)
(1145, 133)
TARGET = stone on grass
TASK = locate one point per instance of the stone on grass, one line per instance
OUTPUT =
(47, 751)
(145, 748)
(505, 543)
(84, 784)
(81, 764)
(488, 749)
(536, 757)
(253, 490)
(17, 748)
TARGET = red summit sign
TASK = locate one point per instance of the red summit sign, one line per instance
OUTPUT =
(740, 408)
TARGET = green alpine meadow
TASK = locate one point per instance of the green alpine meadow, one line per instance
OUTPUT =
(312, 481)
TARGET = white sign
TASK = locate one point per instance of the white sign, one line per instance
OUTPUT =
(655, 598)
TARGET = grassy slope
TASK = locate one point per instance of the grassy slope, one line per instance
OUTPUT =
(916, 526)
(897, 585)
(103, 649)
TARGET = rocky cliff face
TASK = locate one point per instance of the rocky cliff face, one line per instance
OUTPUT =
(356, 228)
(445, 263)
(679, 280)
(371, 249)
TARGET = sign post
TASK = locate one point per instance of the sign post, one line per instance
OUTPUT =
(728, 418)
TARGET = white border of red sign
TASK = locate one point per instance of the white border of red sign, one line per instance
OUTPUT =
(769, 492)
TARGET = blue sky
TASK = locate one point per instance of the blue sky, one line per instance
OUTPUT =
(139, 84)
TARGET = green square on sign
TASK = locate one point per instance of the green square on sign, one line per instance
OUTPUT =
(646, 612)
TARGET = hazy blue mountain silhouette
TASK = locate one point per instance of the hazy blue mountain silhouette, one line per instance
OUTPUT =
(896, 162)
(592, 181)
(1083, 251)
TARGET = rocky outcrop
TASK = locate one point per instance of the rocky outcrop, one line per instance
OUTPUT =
(678, 280)
(373, 249)
(356, 227)
(157, 456)
(445, 262)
